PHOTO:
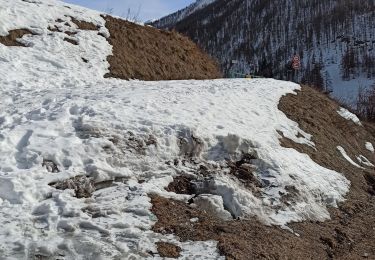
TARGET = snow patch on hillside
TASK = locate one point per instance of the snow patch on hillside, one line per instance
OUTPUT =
(349, 116)
(347, 157)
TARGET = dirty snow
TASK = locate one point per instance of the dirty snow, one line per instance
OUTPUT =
(58, 108)
(370, 147)
(349, 116)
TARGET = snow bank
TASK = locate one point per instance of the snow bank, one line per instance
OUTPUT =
(56, 107)
(349, 116)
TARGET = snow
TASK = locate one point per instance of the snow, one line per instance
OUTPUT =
(56, 107)
(370, 147)
(349, 116)
(347, 157)
(363, 160)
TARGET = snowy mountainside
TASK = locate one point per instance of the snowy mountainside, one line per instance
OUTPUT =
(81, 154)
(335, 40)
(181, 14)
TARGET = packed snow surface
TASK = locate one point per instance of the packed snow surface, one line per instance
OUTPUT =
(59, 118)
(349, 116)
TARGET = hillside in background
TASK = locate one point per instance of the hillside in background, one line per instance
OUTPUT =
(335, 39)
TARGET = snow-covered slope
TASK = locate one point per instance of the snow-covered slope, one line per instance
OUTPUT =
(59, 119)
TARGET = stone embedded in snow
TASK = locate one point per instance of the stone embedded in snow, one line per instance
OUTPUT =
(349, 116)
(370, 147)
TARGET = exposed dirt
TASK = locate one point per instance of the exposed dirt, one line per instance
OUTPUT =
(243, 170)
(350, 234)
(168, 250)
(181, 185)
(83, 25)
(146, 53)
(71, 41)
(236, 239)
(317, 115)
(11, 38)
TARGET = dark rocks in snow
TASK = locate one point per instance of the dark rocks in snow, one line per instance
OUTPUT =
(50, 166)
(71, 41)
(82, 186)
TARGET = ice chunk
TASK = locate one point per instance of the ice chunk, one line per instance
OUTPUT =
(349, 116)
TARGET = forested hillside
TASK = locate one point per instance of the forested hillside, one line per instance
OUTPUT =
(334, 38)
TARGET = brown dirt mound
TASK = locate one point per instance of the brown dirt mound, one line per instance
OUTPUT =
(350, 234)
(168, 250)
(11, 38)
(146, 53)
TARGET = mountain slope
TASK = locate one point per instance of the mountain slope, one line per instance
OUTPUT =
(170, 20)
(96, 167)
(335, 39)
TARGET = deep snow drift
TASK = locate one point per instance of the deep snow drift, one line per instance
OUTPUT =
(57, 109)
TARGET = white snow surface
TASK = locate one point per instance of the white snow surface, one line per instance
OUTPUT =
(370, 147)
(56, 107)
(347, 157)
(349, 116)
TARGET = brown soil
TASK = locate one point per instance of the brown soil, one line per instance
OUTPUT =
(11, 38)
(146, 53)
(317, 115)
(74, 42)
(181, 185)
(82, 25)
(168, 250)
(243, 170)
(350, 234)
(236, 239)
